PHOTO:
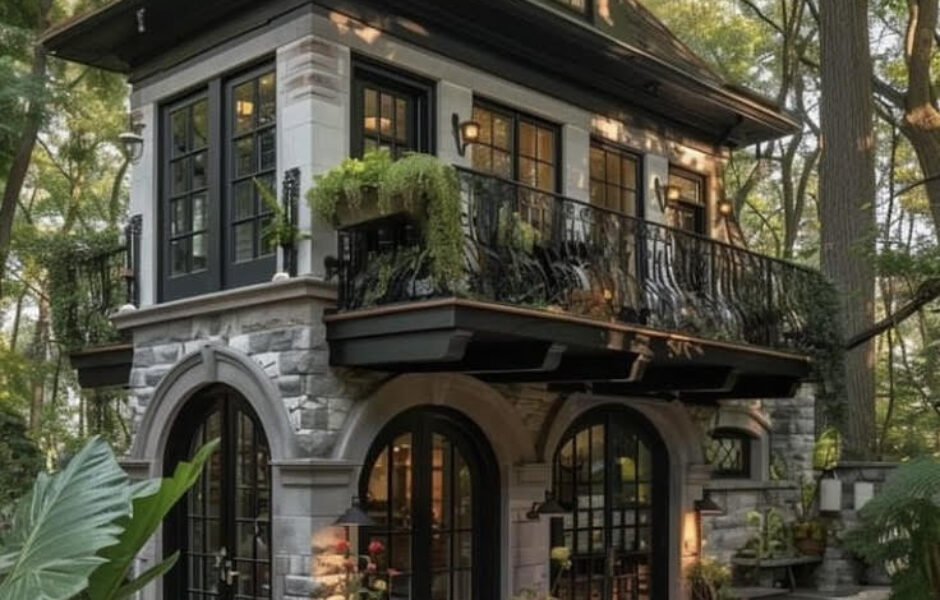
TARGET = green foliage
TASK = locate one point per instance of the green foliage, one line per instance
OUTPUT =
(20, 458)
(771, 538)
(900, 528)
(710, 579)
(825, 339)
(280, 230)
(77, 533)
(350, 184)
(59, 528)
(827, 450)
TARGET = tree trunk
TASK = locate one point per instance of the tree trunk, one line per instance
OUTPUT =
(24, 148)
(846, 200)
(39, 355)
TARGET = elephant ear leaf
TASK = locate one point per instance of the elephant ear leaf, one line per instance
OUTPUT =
(152, 501)
(60, 526)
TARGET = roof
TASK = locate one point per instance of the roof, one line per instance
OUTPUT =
(631, 56)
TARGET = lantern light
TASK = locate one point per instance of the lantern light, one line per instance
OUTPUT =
(465, 133)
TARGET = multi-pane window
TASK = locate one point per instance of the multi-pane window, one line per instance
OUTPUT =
(516, 146)
(253, 148)
(688, 213)
(188, 196)
(729, 454)
(390, 110)
(614, 179)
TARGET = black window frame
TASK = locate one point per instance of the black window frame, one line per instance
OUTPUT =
(742, 470)
(517, 117)
(610, 147)
(218, 275)
(366, 71)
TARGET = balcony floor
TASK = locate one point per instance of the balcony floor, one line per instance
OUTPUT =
(503, 343)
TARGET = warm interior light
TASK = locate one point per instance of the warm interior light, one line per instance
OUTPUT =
(244, 108)
(470, 131)
(374, 123)
(725, 209)
(673, 193)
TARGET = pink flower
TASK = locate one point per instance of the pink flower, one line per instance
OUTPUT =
(342, 546)
(376, 547)
(371, 567)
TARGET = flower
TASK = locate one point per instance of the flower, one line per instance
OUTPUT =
(380, 585)
(376, 547)
(342, 546)
(371, 567)
(349, 564)
(561, 554)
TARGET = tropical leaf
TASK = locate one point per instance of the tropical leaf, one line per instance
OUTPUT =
(151, 504)
(158, 570)
(60, 526)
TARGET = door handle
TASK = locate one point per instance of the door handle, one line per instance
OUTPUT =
(227, 574)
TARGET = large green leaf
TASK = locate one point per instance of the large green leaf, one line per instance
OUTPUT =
(150, 507)
(62, 524)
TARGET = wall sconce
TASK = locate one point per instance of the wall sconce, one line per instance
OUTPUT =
(132, 143)
(707, 507)
(354, 516)
(465, 133)
(665, 193)
(549, 506)
(725, 209)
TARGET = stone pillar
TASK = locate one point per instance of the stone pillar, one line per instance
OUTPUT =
(793, 432)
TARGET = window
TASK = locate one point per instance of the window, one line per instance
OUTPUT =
(516, 146)
(729, 454)
(688, 213)
(432, 488)
(390, 110)
(611, 471)
(217, 147)
(614, 179)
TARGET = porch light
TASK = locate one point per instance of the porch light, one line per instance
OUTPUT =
(708, 507)
(132, 143)
(725, 209)
(549, 506)
(465, 133)
(354, 516)
(666, 194)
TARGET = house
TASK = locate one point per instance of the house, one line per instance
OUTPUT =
(557, 400)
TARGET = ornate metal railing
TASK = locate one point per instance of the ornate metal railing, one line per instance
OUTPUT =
(531, 248)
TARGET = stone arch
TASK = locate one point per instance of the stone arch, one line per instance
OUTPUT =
(511, 441)
(197, 370)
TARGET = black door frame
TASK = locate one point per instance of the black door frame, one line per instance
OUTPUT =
(175, 531)
(660, 514)
(422, 422)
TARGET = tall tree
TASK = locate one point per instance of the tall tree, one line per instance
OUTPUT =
(847, 198)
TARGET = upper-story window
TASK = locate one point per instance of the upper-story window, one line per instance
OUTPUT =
(615, 176)
(218, 147)
(516, 146)
(390, 110)
(729, 454)
(687, 213)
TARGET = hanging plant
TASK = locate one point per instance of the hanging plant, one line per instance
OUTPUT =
(348, 193)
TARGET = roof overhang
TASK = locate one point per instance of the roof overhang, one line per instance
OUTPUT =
(510, 344)
(581, 64)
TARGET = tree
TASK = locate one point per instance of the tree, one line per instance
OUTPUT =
(847, 198)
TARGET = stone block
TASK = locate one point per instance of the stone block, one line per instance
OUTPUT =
(302, 362)
(144, 357)
(299, 585)
(289, 385)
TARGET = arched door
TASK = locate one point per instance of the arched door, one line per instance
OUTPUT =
(223, 526)
(611, 473)
(432, 486)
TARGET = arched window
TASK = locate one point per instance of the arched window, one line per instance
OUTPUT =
(611, 472)
(432, 486)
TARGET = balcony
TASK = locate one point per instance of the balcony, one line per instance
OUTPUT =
(94, 287)
(558, 291)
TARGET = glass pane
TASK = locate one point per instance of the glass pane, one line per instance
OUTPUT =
(244, 104)
(546, 179)
(401, 120)
(244, 156)
(502, 134)
(386, 112)
(481, 158)
(440, 586)
(401, 481)
(502, 164)
(485, 119)
(463, 501)
(178, 220)
(613, 169)
(267, 141)
(199, 180)
(546, 140)
(178, 170)
(200, 124)
(527, 142)
(266, 243)
(199, 252)
(178, 254)
(370, 110)
(244, 241)
(178, 126)
(440, 482)
(629, 173)
(243, 199)
(598, 170)
(199, 212)
(267, 99)
(377, 498)
(527, 171)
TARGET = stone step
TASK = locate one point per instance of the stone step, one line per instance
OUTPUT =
(754, 593)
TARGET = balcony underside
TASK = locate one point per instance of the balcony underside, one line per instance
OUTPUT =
(510, 344)
(103, 367)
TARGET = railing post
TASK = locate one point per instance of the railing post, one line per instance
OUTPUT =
(289, 200)
(132, 259)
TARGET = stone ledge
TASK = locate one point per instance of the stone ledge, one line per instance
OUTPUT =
(742, 485)
(315, 472)
(219, 302)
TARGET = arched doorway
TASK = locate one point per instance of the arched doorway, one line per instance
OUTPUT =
(222, 528)
(610, 471)
(431, 484)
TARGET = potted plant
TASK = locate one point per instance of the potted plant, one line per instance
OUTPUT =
(809, 532)
(709, 579)
(348, 193)
(561, 561)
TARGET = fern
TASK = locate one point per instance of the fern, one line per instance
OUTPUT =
(900, 528)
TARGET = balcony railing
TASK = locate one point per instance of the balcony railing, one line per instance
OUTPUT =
(540, 250)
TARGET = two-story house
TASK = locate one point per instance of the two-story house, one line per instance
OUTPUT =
(565, 370)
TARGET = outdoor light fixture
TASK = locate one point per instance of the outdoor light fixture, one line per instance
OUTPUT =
(132, 143)
(725, 209)
(665, 193)
(465, 133)
(708, 507)
(354, 516)
(549, 506)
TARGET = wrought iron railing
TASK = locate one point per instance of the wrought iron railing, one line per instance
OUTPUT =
(95, 286)
(537, 249)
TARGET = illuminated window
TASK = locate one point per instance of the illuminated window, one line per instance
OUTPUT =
(391, 110)
(516, 146)
(614, 179)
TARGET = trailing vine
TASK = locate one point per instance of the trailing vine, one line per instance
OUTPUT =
(825, 342)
